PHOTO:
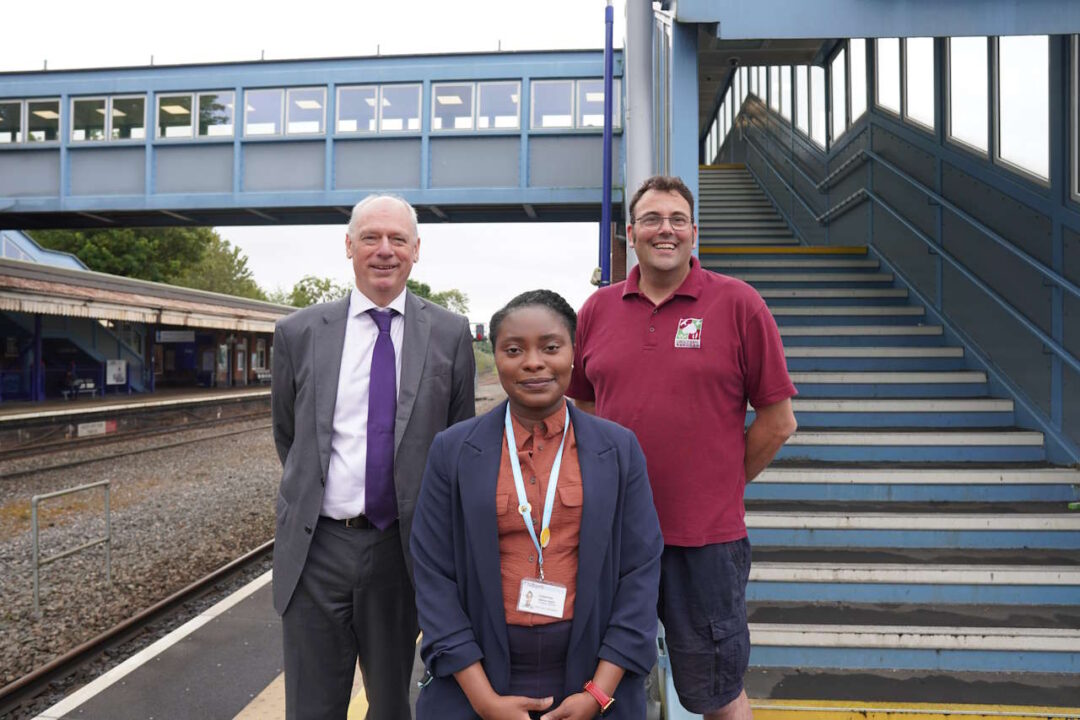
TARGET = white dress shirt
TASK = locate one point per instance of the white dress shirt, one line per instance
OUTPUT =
(343, 496)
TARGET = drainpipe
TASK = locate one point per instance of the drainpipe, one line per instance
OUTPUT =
(605, 202)
(37, 369)
(637, 79)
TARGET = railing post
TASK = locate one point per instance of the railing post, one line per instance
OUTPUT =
(37, 555)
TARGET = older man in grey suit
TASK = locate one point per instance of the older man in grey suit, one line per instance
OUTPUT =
(361, 386)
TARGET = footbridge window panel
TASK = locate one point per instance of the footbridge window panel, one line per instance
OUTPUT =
(263, 112)
(499, 106)
(838, 72)
(88, 119)
(753, 80)
(356, 109)
(452, 106)
(785, 92)
(888, 74)
(306, 113)
(1023, 104)
(399, 108)
(802, 99)
(1075, 105)
(11, 122)
(43, 120)
(919, 85)
(774, 88)
(174, 116)
(968, 107)
(590, 103)
(127, 118)
(552, 104)
(217, 113)
(857, 49)
(762, 82)
(743, 80)
(817, 106)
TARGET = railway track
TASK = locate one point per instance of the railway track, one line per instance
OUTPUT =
(127, 453)
(94, 441)
(20, 693)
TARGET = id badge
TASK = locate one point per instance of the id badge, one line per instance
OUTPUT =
(542, 598)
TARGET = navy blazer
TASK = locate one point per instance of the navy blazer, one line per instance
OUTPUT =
(455, 548)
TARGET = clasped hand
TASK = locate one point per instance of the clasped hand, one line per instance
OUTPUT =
(580, 706)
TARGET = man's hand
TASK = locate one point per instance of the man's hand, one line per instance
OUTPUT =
(513, 707)
(772, 426)
(580, 706)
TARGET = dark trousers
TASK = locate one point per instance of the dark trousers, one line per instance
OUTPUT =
(354, 602)
(538, 661)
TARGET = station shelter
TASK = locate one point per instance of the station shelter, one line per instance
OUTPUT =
(66, 331)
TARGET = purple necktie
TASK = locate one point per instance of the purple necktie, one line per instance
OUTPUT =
(380, 504)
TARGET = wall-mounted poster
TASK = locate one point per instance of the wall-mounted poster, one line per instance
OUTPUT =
(116, 372)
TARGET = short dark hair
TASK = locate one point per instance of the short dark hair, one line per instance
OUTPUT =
(549, 299)
(662, 183)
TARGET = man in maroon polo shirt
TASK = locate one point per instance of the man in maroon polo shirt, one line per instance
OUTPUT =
(675, 353)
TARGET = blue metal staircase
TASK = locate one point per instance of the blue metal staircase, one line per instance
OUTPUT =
(910, 528)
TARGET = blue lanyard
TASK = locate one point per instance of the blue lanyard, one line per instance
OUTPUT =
(523, 501)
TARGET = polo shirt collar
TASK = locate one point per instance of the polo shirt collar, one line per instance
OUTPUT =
(359, 303)
(691, 284)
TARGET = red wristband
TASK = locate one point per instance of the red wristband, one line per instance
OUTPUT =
(600, 696)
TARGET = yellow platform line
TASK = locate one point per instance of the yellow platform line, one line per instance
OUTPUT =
(783, 250)
(843, 710)
(723, 166)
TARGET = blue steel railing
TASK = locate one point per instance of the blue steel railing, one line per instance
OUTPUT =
(1045, 420)
(871, 156)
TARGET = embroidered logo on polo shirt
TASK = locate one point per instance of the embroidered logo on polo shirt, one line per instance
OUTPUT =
(688, 333)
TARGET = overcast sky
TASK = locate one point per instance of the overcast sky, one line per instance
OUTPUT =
(490, 263)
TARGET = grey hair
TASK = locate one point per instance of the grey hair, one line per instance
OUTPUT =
(360, 206)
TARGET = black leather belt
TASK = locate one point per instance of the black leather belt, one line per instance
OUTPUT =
(360, 521)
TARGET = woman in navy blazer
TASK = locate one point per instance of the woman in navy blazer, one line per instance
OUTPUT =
(456, 552)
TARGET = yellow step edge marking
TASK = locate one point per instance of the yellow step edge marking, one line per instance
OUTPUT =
(723, 166)
(843, 710)
(782, 250)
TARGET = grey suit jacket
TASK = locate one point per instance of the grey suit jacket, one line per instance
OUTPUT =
(436, 390)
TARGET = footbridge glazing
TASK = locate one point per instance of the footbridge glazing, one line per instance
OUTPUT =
(470, 137)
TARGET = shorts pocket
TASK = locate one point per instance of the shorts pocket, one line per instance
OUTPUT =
(728, 666)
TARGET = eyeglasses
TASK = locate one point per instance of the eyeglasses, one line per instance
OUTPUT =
(652, 221)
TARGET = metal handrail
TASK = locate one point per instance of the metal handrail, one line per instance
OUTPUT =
(1062, 282)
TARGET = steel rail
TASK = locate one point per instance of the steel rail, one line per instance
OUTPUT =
(28, 686)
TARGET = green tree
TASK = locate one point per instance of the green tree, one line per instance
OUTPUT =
(157, 254)
(452, 299)
(310, 290)
(223, 269)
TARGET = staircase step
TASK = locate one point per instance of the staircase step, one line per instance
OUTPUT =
(900, 413)
(813, 278)
(861, 335)
(787, 315)
(807, 250)
(914, 647)
(739, 240)
(900, 485)
(927, 445)
(1025, 586)
(870, 384)
(903, 530)
(793, 263)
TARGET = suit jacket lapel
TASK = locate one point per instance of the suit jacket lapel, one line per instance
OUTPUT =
(478, 474)
(413, 353)
(328, 342)
(600, 483)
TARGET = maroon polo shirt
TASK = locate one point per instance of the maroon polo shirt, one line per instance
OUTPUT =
(679, 374)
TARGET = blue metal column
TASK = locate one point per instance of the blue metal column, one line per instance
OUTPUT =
(605, 200)
(683, 112)
(1060, 60)
(37, 367)
(525, 123)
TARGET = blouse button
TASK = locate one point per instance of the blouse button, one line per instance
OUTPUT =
(532, 558)
(652, 329)
(532, 480)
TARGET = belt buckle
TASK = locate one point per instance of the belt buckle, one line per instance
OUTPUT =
(355, 522)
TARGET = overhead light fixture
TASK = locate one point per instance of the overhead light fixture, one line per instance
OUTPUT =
(47, 114)
(370, 101)
(118, 113)
(100, 110)
(385, 102)
(448, 100)
(175, 109)
(594, 97)
(514, 98)
(308, 104)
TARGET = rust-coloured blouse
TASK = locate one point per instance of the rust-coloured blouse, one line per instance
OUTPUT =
(517, 554)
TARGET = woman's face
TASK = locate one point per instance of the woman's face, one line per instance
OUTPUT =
(534, 355)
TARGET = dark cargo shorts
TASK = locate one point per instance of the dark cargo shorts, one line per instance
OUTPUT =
(703, 608)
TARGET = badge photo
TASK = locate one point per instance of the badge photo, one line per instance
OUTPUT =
(688, 333)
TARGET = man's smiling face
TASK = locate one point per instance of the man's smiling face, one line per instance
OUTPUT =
(662, 249)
